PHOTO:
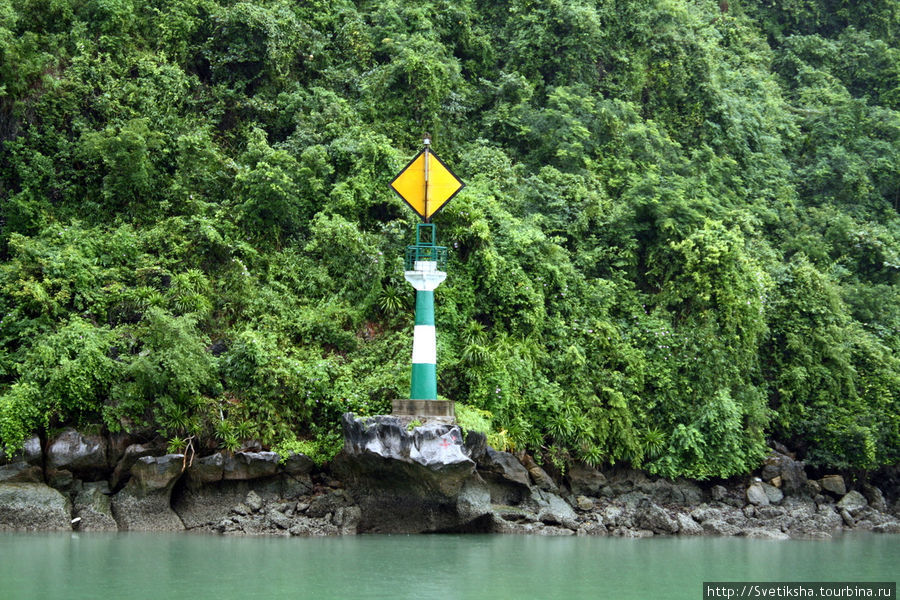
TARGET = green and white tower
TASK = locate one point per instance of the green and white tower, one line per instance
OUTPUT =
(426, 184)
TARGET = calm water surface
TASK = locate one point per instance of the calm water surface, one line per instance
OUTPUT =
(124, 566)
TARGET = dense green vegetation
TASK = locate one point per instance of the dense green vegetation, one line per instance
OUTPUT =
(680, 236)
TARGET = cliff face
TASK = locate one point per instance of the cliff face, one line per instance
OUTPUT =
(394, 476)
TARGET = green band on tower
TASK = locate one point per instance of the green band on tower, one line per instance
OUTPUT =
(424, 307)
(423, 384)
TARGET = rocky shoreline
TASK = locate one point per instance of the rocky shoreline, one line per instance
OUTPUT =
(394, 477)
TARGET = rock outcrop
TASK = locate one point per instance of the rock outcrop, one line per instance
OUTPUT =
(144, 503)
(394, 477)
(411, 481)
(33, 507)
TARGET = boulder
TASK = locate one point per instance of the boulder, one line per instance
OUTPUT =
(655, 518)
(33, 507)
(144, 503)
(687, 525)
(62, 480)
(93, 507)
(25, 466)
(766, 534)
(874, 497)
(507, 480)
(719, 527)
(331, 502)
(756, 495)
(21, 472)
(834, 484)
(504, 465)
(774, 494)
(132, 453)
(297, 464)
(540, 477)
(411, 481)
(253, 501)
(704, 512)
(789, 473)
(476, 445)
(584, 503)
(585, 480)
(553, 510)
(249, 465)
(718, 492)
(889, 527)
(665, 491)
(819, 525)
(853, 502)
(82, 455)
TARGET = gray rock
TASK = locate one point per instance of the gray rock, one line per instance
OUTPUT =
(328, 503)
(33, 507)
(704, 513)
(132, 453)
(624, 532)
(507, 480)
(757, 495)
(849, 521)
(718, 492)
(475, 445)
(853, 502)
(21, 467)
(505, 465)
(834, 484)
(825, 521)
(116, 445)
(25, 466)
(613, 515)
(207, 469)
(549, 530)
(889, 527)
(411, 481)
(687, 525)
(298, 464)
(774, 494)
(253, 501)
(204, 505)
(584, 503)
(278, 520)
(665, 491)
(766, 534)
(655, 518)
(719, 527)
(144, 503)
(812, 488)
(789, 473)
(93, 506)
(538, 475)
(874, 497)
(62, 480)
(83, 455)
(585, 480)
(347, 518)
(249, 465)
(553, 510)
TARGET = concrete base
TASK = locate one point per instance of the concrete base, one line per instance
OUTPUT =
(423, 408)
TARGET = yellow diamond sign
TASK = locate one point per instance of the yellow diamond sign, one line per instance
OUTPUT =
(426, 184)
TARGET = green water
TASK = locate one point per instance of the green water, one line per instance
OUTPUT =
(124, 566)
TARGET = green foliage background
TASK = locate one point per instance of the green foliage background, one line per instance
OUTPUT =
(679, 237)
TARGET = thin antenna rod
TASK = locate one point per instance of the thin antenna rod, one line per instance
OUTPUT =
(427, 141)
